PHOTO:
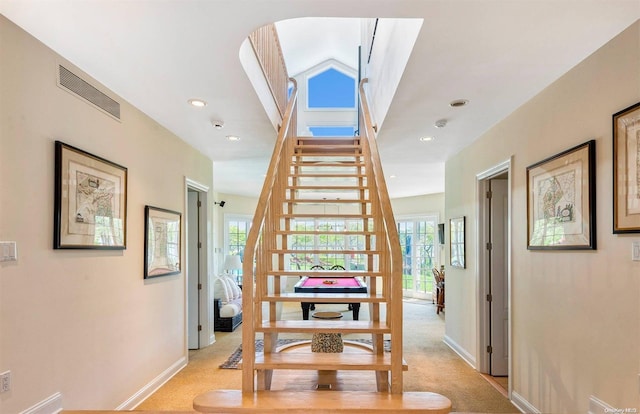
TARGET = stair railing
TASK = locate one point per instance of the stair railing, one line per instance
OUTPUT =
(266, 45)
(387, 241)
(261, 239)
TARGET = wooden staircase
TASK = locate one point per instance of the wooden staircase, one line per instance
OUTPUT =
(337, 182)
(325, 173)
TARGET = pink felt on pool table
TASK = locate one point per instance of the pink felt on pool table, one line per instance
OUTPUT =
(340, 282)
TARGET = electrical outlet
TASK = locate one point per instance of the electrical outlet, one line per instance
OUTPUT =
(5, 381)
(635, 251)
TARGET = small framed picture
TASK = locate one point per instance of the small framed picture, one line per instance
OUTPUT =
(456, 242)
(626, 170)
(90, 201)
(162, 252)
(561, 201)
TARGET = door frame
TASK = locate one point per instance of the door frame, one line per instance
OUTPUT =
(206, 335)
(482, 271)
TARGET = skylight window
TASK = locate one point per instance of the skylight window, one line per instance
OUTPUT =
(332, 131)
(331, 89)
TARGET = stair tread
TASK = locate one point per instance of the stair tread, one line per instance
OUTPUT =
(307, 360)
(325, 297)
(327, 175)
(328, 215)
(324, 326)
(341, 233)
(325, 273)
(302, 402)
(328, 187)
(326, 200)
(326, 251)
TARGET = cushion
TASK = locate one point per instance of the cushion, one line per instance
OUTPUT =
(220, 290)
(235, 289)
(229, 284)
(229, 310)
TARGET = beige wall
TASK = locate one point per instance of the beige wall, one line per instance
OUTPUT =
(575, 314)
(82, 322)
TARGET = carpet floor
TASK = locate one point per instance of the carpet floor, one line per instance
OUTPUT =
(433, 366)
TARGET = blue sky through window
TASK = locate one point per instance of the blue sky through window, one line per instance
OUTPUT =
(331, 89)
(332, 131)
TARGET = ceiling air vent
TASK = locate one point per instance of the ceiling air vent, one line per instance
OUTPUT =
(83, 89)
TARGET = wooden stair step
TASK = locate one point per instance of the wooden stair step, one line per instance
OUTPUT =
(324, 326)
(333, 153)
(349, 164)
(331, 361)
(327, 175)
(324, 273)
(328, 215)
(334, 232)
(303, 402)
(328, 187)
(327, 139)
(325, 298)
(325, 200)
(327, 251)
(327, 147)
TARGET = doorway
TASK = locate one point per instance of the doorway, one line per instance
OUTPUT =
(198, 331)
(494, 273)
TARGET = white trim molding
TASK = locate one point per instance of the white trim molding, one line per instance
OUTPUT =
(466, 356)
(522, 404)
(153, 386)
(51, 405)
(597, 406)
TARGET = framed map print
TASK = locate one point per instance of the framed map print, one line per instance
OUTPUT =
(561, 201)
(90, 201)
(626, 170)
(161, 242)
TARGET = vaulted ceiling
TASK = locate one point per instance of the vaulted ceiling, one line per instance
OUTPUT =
(158, 54)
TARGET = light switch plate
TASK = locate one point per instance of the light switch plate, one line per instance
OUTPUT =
(635, 251)
(8, 251)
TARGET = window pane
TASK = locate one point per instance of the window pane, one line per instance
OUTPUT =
(331, 89)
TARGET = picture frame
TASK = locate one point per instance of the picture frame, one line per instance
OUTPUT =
(457, 257)
(626, 170)
(162, 242)
(90, 201)
(561, 210)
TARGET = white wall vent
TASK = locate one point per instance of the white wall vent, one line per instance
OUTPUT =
(83, 89)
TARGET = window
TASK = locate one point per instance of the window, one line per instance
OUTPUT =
(418, 240)
(235, 235)
(332, 131)
(327, 241)
(331, 89)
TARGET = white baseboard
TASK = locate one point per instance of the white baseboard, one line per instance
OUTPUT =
(597, 406)
(522, 404)
(51, 405)
(466, 356)
(153, 386)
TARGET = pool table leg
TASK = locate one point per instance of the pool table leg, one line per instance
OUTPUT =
(355, 308)
(305, 310)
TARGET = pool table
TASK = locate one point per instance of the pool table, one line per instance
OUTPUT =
(310, 284)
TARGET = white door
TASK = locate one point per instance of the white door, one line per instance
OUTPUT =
(499, 210)
(193, 269)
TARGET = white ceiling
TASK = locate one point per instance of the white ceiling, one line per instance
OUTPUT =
(158, 54)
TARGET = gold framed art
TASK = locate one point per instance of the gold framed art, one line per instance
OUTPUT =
(626, 170)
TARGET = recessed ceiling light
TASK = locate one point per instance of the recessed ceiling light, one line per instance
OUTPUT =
(458, 103)
(233, 138)
(198, 103)
(392, 176)
(426, 139)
